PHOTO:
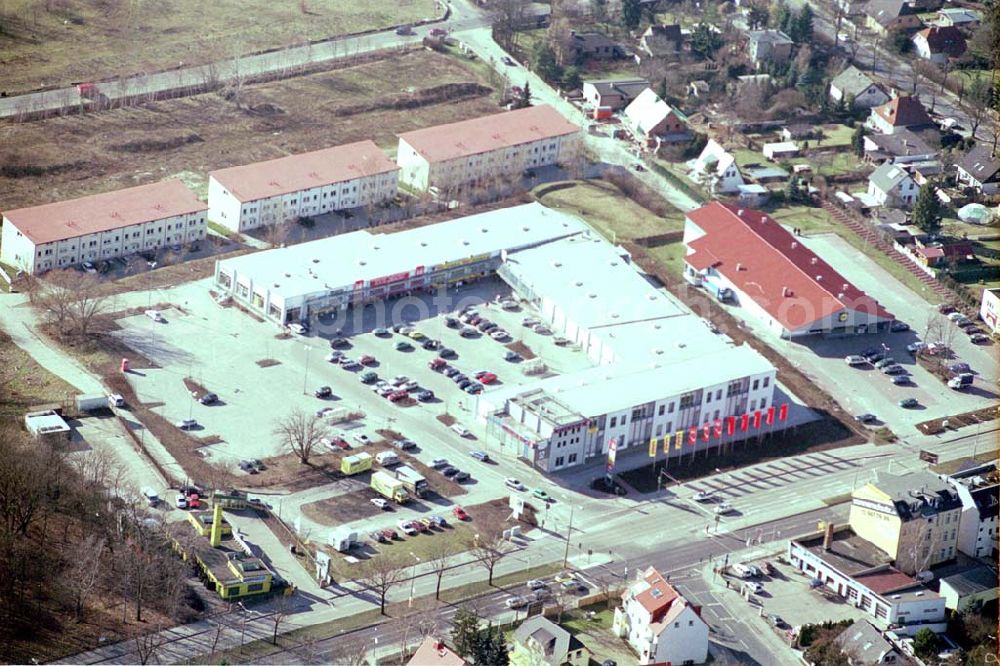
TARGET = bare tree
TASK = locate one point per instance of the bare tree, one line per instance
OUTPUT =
(300, 433)
(281, 608)
(490, 547)
(85, 572)
(440, 559)
(508, 18)
(276, 234)
(73, 302)
(381, 574)
(148, 645)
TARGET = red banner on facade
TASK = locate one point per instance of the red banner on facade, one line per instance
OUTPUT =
(783, 412)
(730, 425)
(756, 419)
(744, 422)
(692, 435)
(718, 427)
(770, 415)
(387, 279)
(706, 432)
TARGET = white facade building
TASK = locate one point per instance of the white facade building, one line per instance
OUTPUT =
(892, 186)
(298, 282)
(989, 309)
(276, 191)
(102, 226)
(660, 624)
(979, 491)
(716, 169)
(660, 374)
(450, 156)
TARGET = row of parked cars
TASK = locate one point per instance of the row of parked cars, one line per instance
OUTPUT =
(412, 527)
(976, 334)
(540, 590)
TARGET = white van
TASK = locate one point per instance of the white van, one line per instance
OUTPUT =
(462, 432)
(742, 570)
(155, 315)
(151, 496)
(387, 459)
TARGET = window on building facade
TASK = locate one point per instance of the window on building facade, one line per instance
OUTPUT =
(756, 383)
(670, 408)
(559, 461)
(572, 458)
(767, 382)
(662, 409)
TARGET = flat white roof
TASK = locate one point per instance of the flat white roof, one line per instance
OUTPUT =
(619, 386)
(339, 261)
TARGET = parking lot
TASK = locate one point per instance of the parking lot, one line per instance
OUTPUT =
(823, 359)
(260, 374)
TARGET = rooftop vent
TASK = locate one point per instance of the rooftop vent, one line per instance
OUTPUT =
(465, 242)
(739, 267)
(740, 212)
(591, 295)
(846, 286)
(579, 284)
(556, 264)
(785, 291)
(819, 278)
(484, 230)
(794, 245)
(615, 315)
(525, 228)
(276, 285)
(315, 261)
(288, 275)
(763, 219)
(814, 261)
(840, 294)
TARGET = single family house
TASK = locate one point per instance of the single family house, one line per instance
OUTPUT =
(882, 16)
(612, 94)
(903, 112)
(769, 46)
(650, 118)
(858, 88)
(660, 41)
(890, 185)
(938, 44)
(716, 169)
(980, 170)
(541, 642)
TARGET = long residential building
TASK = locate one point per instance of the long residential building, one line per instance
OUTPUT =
(102, 226)
(448, 157)
(773, 276)
(280, 190)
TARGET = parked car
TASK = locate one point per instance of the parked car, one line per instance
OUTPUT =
(894, 369)
(368, 377)
(438, 521)
(452, 322)
(437, 364)
(396, 396)
(437, 463)
(448, 471)
(459, 513)
(916, 347)
(431, 345)
(899, 327)
(481, 456)
(909, 403)
(901, 380)
(959, 367)
(367, 359)
(462, 477)
(979, 338)
(182, 502)
(702, 496)
(516, 602)
(404, 346)
(468, 332)
(541, 494)
(298, 329)
(473, 388)
(447, 353)
(536, 584)
(888, 360)
(425, 395)
(956, 316)
(462, 382)
(512, 357)
(459, 430)
(337, 342)
(776, 621)
(487, 378)
(511, 482)
(187, 424)
(451, 371)
(753, 586)
(335, 356)
(723, 508)
(382, 332)
(866, 418)
(380, 503)
(362, 438)
(405, 444)
(856, 360)
(407, 527)
(499, 334)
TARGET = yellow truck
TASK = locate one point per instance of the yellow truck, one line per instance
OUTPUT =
(359, 462)
(390, 488)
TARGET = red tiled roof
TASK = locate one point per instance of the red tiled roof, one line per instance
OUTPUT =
(61, 220)
(659, 595)
(433, 652)
(904, 111)
(294, 173)
(947, 39)
(488, 133)
(884, 582)
(769, 265)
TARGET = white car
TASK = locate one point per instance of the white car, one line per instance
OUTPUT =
(399, 380)
(298, 329)
(407, 527)
(187, 424)
(362, 438)
(855, 360)
(155, 316)
(516, 602)
(723, 508)
(535, 584)
(702, 496)
(753, 586)
(515, 484)
(380, 503)
(182, 502)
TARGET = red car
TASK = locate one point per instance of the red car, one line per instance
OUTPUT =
(418, 526)
(488, 378)
(367, 359)
(459, 513)
(396, 396)
(194, 501)
(438, 364)
(340, 443)
(390, 534)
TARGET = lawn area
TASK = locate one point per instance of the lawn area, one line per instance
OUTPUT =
(968, 75)
(834, 135)
(595, 633)
(608, 210)
(670, 255)
(952, 466)
(80, 40)
(26, 383)
(831, 164)
(394, 93)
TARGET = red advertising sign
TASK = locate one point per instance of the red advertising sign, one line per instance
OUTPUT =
(395, 277)
(718, 427)
(756, 419)
(612, 453)
(359, 285)
(744, 422)
(730, 425)
(783, 412)
(692, 435)
(770, 415)
(706, 431)
(419, 270)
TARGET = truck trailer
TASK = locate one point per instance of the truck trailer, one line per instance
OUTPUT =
(414, 482)
(359, 462)
(390, 488)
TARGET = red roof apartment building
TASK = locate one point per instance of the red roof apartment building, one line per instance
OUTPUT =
(102, 226)
(448, 157)
(773, 276)
(659, 623)
(279, 190)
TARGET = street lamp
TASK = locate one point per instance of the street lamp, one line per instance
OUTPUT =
(413, 578)
(569, 535)
(305, 375)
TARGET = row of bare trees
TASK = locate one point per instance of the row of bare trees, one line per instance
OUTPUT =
(74, 303)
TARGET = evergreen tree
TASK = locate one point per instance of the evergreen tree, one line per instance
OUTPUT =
(927, 209)
(631, 13)
(544, 59)
(757, 17)
(523, 101)
(802, 26)
(780, 15)
(925, 643)
(465, 632)
(858, 140)
(571, 79)
(661, 90)
(490, 647)
(705, 41)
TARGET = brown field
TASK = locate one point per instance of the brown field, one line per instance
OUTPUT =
(61, 158)
(65, 41)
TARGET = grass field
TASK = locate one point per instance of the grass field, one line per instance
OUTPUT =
(25, 383)
(65, 41)
(608, 210)
(85, 154)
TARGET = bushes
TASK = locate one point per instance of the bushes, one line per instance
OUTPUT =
(638, 192)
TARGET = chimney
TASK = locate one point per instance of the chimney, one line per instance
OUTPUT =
(828, 536)
(216, 538)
